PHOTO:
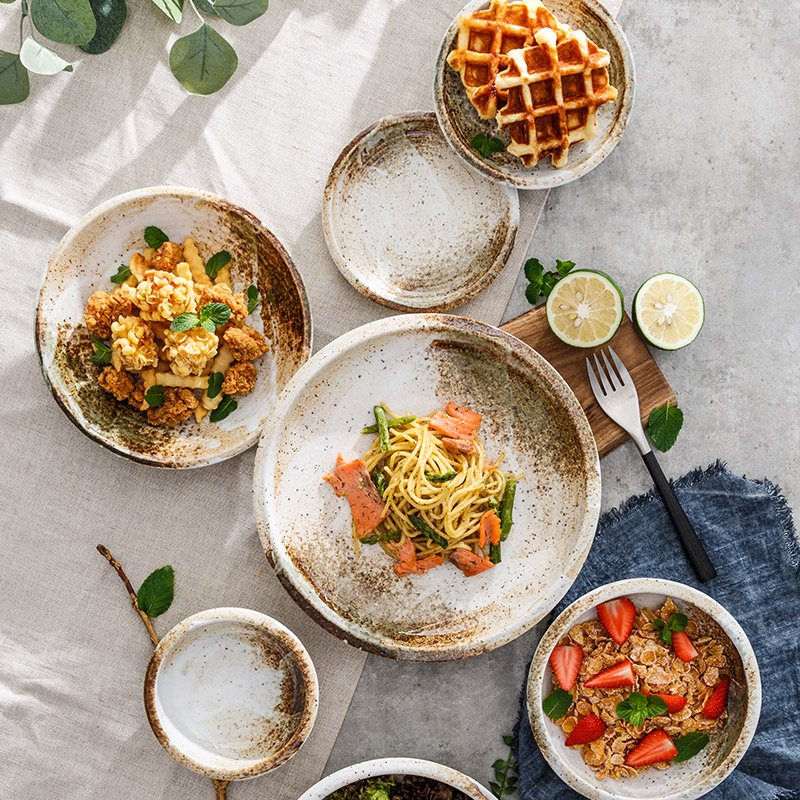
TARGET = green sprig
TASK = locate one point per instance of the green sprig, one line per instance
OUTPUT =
(252, 298)
(637, 707)
(677, 622)
(217, 262)
(506, 775)
(486, 145)
(541, 283)
(122, 274)
(102, 352)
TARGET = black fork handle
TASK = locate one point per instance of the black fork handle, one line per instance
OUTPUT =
(695, 551)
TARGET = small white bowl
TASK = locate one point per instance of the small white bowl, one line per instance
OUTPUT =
(396, 766)
(685, 781)
(231, 693)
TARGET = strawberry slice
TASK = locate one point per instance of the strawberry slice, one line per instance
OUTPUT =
(566, 661)
(683, 646)
(655, 747)
(674, 702)
(619, 675)
(591, 727)
(715, 704)
(617, 617)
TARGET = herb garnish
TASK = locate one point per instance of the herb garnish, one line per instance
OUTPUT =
(102, 352)
(677, 622)
(211, 316)
(638, 707)
(156, 593)
(541, 283)
(690, 745)
(226, 407)
(252, 298)
(505, 772)
(123, 273)
(557, 703)
(154, 396)
(486, 145)
(155, 237)
(217, 262)
(664, 426)
(215, 381)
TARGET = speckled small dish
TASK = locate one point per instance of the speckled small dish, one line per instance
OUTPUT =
(83, 262)
(684, 781)
(396, 766)
(408, 225)
(417, 364)
(231, 693)
(460, 121)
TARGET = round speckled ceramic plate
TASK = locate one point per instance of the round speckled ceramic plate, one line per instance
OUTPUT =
(416, 364)
(408, 225)
(460, 121)
(82, 264)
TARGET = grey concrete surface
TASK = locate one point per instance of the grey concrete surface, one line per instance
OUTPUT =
(704, 183)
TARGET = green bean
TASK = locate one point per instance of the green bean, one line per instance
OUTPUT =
(374, 538)
(506, 507)
(494, 554)
(395, 422)
(383, 428)
(379, 479)
(424, 528)
(440, 477)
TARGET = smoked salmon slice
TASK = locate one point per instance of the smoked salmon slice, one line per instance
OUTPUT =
(489, 529)
(420, 567)
(460, 445)
(459, 412)
(350, 479)
(469, 563)
(458, 426)
(452, 427)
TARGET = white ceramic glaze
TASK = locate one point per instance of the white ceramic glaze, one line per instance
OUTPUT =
(231, 693)
(684, 781)
(416, 364)
(408, 224)
(396, 766)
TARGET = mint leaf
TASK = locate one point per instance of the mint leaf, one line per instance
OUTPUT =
(563, 267)
(638, 707)
(155, 237)
(677, 622)
(549, 280)
(227, 406)
(157, 591)
(102, 352)
(203, 62)
(252, 298)
(217, 262)
(184, 322)
(123, 273)
(533, 291)
(664, 426)
(215, 381)
(658, 623)
(214, 315)
(533, 269)
(154, 396)
(557, 703)
(690, 745)
(486, 145)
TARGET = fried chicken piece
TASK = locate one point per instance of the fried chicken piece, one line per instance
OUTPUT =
(167, 257)
(118, 382)
(178, 405)
(246, 343)
(103, 308)
(240, 378)
(137, 396)
(221, 293)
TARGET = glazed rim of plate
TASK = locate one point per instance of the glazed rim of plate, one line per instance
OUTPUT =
(632, 586)
(295, 579)
(426, 123)
(541, 175)
(67, 241)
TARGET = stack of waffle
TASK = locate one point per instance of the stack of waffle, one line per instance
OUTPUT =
(541, 80)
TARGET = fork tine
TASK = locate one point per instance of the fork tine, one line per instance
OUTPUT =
(621, 368)
(596, 390)
(612, 376)
(607, 388)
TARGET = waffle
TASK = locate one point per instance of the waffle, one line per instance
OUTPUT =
(485, 39)
(553, 90)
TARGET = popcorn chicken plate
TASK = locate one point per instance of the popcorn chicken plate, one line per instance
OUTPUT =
(84, 262)
(720, 640)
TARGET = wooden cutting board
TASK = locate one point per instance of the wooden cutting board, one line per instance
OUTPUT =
(651, 384)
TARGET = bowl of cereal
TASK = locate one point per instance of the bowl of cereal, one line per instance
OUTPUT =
(168, 321)
(644, 688)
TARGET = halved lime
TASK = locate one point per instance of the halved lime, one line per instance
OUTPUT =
(668, 311)
(585, 308)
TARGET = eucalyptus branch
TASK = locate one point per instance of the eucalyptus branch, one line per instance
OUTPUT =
(199, 15)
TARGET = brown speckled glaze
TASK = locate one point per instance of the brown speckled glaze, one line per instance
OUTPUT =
(408, 225)
(692, 778)
(83, 262)
(460, 122)
(416, 364)
(231, 693)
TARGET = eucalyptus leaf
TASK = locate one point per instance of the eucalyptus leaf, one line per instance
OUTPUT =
(64, 21)
(110, 16)
(206, 6)
(37, 58)
(157, 591)
(240, 12)
(7, 2)
(172, 8)
(14, 84)
(203, 62)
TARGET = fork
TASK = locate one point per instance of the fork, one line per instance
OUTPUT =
(616, 395)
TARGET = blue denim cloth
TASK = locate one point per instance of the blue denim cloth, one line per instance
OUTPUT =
(747, 529)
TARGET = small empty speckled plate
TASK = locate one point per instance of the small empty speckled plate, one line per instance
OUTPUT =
(231, 693)
(460, 121)
(416, 364)
(408, 225)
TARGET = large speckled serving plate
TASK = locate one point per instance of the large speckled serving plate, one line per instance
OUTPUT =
(416, 364)
(82, 264)
(408, 224)
(460, 121)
